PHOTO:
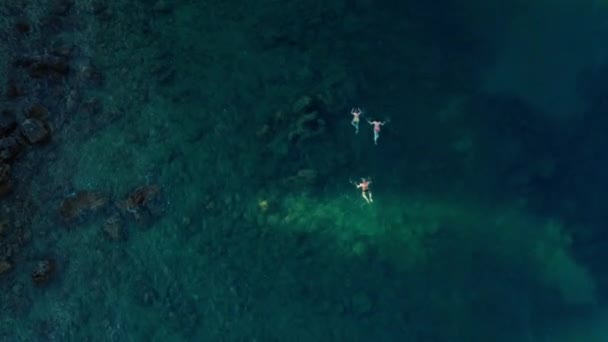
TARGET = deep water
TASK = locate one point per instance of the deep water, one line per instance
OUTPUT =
(197, 176)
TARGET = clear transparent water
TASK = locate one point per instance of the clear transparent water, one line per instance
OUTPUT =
(485, 224)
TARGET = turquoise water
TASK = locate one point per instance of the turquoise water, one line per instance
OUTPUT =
(202, 191)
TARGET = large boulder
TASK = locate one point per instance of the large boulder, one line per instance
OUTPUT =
(144, 203)
(10, 147)
(43, 272)
(34, 130)
(81, 203)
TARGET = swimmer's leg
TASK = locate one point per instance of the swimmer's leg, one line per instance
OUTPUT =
(376, 136)
(365, 197)
(370, 197)
(356, 125)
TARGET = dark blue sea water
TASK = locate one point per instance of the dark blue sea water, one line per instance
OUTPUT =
(190, 171)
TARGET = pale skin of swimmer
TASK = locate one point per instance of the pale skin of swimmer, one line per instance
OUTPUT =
(377, 124)
(356, 113)
(365, 191)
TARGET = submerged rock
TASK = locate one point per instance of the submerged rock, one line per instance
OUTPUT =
(52, 68)
(10, 147)
(36, 111)
(34, 130)
(144, 202)
(140, 196)
(81, 203)
(43, 272)
(5, 266)
(44, 66)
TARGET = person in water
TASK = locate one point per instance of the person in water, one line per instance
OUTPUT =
(365, 191)
(377, 125)
(356, 113)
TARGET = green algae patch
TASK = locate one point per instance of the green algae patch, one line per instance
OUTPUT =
(452, 242)
(559, 270)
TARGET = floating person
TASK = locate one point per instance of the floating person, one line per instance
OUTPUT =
(377, 125)
(356, 113)
(365, 191)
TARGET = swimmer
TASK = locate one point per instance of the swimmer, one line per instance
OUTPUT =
(377, 125)
(356, 113)
(365, 191)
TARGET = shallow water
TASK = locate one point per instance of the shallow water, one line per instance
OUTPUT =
(213, 166)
